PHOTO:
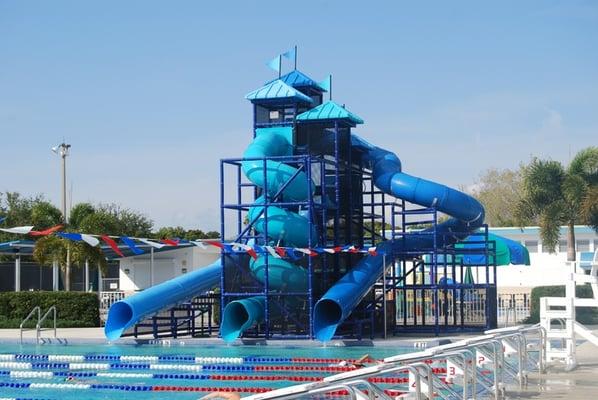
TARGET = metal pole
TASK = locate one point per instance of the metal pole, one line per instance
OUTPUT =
(63, 154)
(384, 291)
(87, 275)
(55, 276)
(18, 273)
(99, 279)
(151, 266)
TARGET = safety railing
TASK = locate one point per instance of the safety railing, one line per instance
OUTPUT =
(38, 326)
(27, 318)
(476, 368)
(39, 322)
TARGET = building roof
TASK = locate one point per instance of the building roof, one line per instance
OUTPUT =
(277, 90)
(329, 111)
(298, 79)
(25, 247)
(535, 230)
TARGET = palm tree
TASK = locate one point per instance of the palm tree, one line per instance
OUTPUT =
(555, 195)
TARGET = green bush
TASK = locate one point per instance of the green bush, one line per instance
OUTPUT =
(584, 315)
(74, 309)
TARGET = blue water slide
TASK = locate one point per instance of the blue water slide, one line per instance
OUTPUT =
(467, 214)
(125, 313)
(283, 225)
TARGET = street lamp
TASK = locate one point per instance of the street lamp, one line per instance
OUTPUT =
(63, 151)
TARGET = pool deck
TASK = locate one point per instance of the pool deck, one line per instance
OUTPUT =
(581, 383)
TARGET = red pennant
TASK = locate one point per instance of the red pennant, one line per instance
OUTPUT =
(214, 243)
(252, 253)
(280, 251)
(337, 249)
(170, 242)
(112, 245)
(46, 232)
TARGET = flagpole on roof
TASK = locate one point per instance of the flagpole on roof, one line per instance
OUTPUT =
(330, 90)
(295, 57)
(279, 65)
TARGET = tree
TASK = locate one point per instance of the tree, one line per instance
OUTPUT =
(558, 195)
(499, 191)
(179, 232)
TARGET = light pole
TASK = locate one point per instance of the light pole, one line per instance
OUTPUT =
(63, 150)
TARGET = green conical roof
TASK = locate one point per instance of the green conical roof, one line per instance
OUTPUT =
(277, 90)
(329, 111)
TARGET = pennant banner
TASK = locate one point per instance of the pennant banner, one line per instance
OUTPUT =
(46, 232)
(155, 245)
(90, 240)
(294, 253)
(110, 242)
(24, 230)
(131, 245)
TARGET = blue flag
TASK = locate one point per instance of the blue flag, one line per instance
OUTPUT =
(2, 219)
(275, 63)
(131, 244)
(75, 237)
(326, 83)
(291, 54)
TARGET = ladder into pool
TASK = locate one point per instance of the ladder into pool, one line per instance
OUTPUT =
(40, 321)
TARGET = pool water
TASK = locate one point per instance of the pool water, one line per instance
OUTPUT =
(166, 372)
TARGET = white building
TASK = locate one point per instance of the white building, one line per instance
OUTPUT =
(545, 269)
(156, 266)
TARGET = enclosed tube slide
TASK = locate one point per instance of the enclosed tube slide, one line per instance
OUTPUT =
(125, 313)
(293, 229)
(467, 216)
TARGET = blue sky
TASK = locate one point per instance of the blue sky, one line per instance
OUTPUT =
(150, 94)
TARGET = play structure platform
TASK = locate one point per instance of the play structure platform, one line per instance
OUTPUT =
(325, 236)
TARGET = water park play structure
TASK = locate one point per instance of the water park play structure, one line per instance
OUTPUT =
(307, 181)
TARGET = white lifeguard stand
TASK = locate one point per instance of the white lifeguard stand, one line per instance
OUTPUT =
(557, 314)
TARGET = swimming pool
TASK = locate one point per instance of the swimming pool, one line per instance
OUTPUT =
(167, 372)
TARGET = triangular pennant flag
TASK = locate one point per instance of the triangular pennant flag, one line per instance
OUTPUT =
(75, 237)
(281, 251)
(275, 63)
(271, 251)
(90, 240)
(199, 244)
(326, 83)
(18, 229)
(170, 242)
(152, 243)
(131, 245)
(215, 243)
(46, 232)
(372, 251)
(291, 54)
(108, 240)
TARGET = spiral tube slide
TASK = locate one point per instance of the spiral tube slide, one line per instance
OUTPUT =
(466, 212)
(293, 229)
(125, 313)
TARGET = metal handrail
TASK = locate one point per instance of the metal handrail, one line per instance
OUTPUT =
(40, 321)
(464, 350)
(39, 311)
